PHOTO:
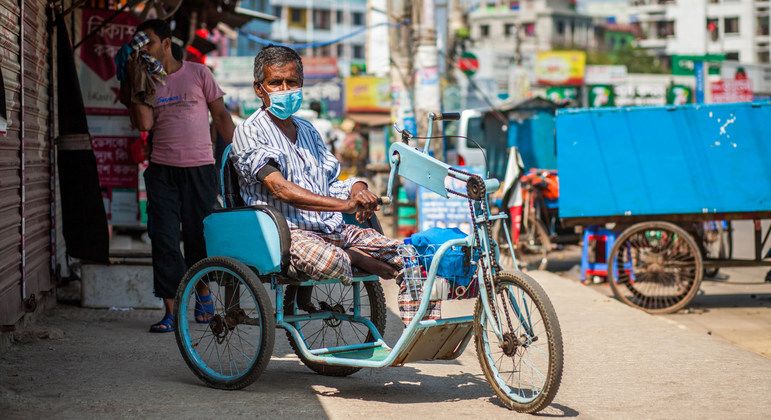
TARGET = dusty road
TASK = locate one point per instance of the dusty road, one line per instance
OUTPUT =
(619, 362)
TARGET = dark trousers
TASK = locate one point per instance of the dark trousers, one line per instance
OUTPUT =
(177, 196)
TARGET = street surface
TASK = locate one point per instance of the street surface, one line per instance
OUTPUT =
(619, 362)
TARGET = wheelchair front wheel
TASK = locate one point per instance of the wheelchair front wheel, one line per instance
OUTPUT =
(231, 348)
(524, 368)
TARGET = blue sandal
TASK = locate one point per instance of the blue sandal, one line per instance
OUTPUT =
(203, 306)
(165, 325)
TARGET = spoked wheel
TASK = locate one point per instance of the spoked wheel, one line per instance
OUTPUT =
(524, 366)
(534, 245)
(331, 332)
(656, 267)
(232, 348)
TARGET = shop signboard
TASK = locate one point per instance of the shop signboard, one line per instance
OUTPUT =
(679, 95)
(730, 90)
(560, 68)
(601, 96)
(367, 94)
(562, 94)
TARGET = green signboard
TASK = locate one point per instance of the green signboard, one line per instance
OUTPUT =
(682, 65)
(561, 94)
(601, 96)
(679, 95)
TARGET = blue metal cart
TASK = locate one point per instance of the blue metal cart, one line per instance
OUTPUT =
(671, 179)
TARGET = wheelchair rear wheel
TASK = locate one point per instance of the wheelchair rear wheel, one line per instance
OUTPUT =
(227, 347)
(331, 332)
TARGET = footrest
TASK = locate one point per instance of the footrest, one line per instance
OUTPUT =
(375, 354)
(441, 341)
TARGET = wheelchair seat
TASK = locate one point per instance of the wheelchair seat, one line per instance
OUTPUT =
(257, 235)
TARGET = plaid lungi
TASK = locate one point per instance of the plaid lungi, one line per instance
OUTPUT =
(322, 256)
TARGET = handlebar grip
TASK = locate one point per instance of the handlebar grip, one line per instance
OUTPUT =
(450, 116)
(384, 201)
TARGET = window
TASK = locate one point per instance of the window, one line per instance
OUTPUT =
(560, 28)
(339, 16)
(665, 29)
(508, 29)
(484, 30)
(357, 18)
(322, 19)
(358, 51)
(340, 50)
(713, 27)
(277, 11)
(763, 57)
(731, 25)
(530, 29)
(296, 18)
(732, 56)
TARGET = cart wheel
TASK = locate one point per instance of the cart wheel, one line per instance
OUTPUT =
(656, 267)
(534, 246)
(233, 348)
(329, 332)
(524, 366)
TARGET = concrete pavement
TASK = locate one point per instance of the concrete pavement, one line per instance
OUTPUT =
(618, 362)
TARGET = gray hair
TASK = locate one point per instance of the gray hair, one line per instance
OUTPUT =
(276, 55)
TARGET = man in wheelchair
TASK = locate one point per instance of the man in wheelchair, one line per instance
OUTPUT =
(282, 161)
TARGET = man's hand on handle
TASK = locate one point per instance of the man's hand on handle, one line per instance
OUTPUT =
(364, 202)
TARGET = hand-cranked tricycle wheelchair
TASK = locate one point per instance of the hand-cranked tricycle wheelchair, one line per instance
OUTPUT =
(338, 330)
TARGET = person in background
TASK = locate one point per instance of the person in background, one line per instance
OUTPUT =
(180, 180)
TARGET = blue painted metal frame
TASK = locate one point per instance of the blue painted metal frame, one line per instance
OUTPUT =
(660, 161)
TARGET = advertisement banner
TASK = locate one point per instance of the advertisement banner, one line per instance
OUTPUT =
(113, 163)
(329, 92)
(320, 67)
(679, 95)
(601, 96)
(367, 94)
(685, 65)
(96, 64)
(562, 94)
(560, 68)
(605, 75)
(726, 91)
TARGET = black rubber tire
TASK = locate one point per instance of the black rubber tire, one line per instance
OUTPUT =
(553, 332)
(267, 315)
(527, 258)
(377, 304)
(677, 302)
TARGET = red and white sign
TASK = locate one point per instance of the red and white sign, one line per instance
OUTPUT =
(725, 91)
(320, 67)
(114, 165)
(96, 67)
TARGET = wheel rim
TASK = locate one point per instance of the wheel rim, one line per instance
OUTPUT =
(334, 332)
(519, 362)
(228, 346)
(657, 267)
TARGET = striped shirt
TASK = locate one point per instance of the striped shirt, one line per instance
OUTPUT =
(306, 163)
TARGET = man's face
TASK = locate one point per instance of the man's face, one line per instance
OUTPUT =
(157, 48)
(277, 79)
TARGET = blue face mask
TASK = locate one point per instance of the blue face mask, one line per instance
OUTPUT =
(285, 103)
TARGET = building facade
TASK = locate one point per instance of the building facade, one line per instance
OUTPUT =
(506, 34)
(737, 28)
(300, 21)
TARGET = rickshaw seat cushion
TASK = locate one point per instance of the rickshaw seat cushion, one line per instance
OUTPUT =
(256, 235)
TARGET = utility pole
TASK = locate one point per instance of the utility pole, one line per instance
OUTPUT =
(400, 41)
(427, 90)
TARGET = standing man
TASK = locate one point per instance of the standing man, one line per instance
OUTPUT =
(181, 179)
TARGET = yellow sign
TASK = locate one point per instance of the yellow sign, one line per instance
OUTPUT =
(560, 68)
(367, 94)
